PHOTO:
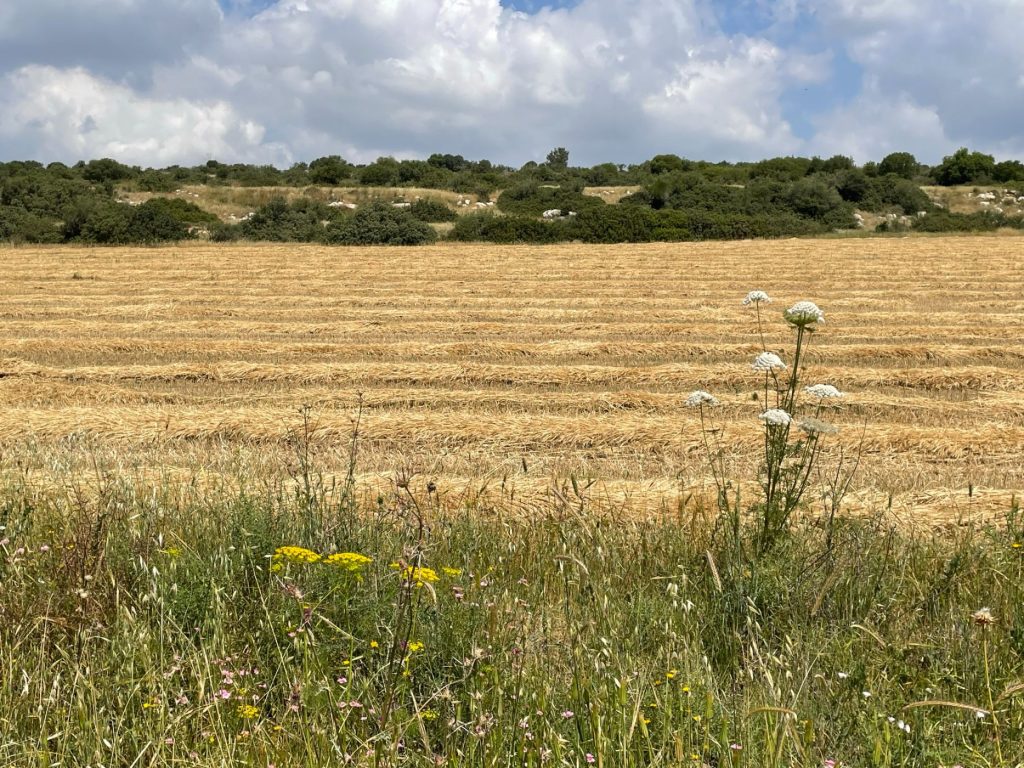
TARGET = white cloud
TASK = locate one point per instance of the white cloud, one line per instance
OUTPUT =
(610, 79)
(73, 114)
(938, 74)
(614, 80)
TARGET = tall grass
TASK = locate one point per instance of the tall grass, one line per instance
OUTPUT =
(138, 628)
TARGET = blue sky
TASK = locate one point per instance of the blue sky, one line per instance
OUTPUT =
(277, 81)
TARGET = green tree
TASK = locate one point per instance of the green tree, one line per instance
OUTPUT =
(965, 167)
(902, 164)
(558, 158)
(330, 170)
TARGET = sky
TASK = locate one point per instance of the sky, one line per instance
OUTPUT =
(161, 82)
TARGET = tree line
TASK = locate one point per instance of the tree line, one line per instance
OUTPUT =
(677, 199)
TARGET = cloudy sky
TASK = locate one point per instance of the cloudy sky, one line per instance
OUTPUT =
(157, 82)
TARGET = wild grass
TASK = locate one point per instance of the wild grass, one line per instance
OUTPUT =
(146, 629)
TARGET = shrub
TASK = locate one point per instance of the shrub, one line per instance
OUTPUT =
(488, 227)
(902, 164)
(813, 198)
(432, 210)
(532, 199)
(279, 221)
(379, 224)
(965, 167)
(614, 224)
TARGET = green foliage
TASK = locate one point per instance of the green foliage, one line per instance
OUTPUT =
(488, 227)
(965, 167)
(558, 158)
(902, 164)
(432, 210)
(382, 173)
(814, 198)
(281, 221)
(892, 192)
(119, 224)
(380, 224)
(1008, 170)
(533, 199)
(329, 171)
(614, 224)
(542, 640)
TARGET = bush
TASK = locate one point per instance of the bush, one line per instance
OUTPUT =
(891, 191)
(380, 224)
(902, 164)
(813, 198)
(488, 227)
(432, 210)
(614, 224)
(965, 167)
(533, 199)
(282, 222)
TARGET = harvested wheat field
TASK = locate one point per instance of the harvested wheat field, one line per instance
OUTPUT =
(498, 372)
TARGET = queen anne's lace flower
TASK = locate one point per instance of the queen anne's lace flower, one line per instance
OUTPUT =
(813, 426)
(823, 391)
(804, 313)
(701, 398)
(776, 417)
(768, 361)
(757, 297)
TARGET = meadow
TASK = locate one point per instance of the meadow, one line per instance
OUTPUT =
(528, 563)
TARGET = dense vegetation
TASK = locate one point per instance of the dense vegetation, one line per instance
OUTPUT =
(677, 199)
(136, 628)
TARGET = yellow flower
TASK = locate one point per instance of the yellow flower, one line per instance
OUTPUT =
(451, 571)
(296, 555)
(248, 711)
(429, 714)
(415, 646)
(172, 552)
(349, 561)
(671, 673)
(148, 705)
(374, 644)
(1016, 545)
(416, 576)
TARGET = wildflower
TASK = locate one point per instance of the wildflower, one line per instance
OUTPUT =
(736, 747)
(429, 714)
(776, 417)
(45, 548)
(172, 552)
(804, 314)
(248, 711)
(414, 646)
(451, 571)
(590, 758)
(568, 714)
(823, 391)
(842, 675)
(223, 694)
(374, 644)
(671, 673)
(416, 576)
(828, 764)
(295, 555)
(757, 297)
(699, 398)
(813, 426)
(983, 617)
(767, 362)
(349, 561)
(866, 694)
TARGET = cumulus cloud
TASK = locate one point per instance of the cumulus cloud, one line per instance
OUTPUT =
(610, 79)
(73, 111)
(938, 74)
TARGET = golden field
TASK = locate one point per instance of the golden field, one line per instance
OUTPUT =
(498, 372)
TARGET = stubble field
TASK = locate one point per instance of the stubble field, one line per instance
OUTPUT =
(497, 373)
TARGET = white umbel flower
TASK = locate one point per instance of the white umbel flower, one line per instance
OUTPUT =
(776, 417)
(813, 426)
(803, 314)
(768, 361)
(757, 297)
(700, 398)
(823, 391)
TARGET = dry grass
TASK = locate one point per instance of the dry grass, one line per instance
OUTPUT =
(495, 371)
